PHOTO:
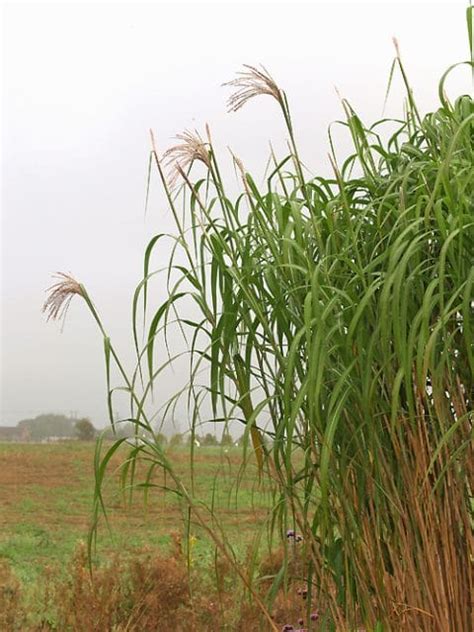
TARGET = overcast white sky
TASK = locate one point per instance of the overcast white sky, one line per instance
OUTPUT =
(83, 83)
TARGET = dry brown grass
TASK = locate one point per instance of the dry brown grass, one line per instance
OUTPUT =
(141, 595)
(150, 594)
(413, 553)
(12, 615)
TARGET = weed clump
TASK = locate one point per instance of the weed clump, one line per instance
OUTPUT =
(133, 595)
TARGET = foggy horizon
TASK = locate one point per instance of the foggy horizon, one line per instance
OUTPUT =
(82, 86)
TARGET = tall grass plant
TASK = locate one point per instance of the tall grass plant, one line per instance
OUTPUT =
(333, 318)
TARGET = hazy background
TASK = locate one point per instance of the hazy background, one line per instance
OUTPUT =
(82, 83)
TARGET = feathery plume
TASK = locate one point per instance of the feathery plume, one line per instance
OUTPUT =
(240, 166)
(60, 296)
(397, 47)
(251, 83)
(181, 156)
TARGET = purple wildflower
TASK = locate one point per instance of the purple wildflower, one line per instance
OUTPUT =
(290, 533)
(314, 616)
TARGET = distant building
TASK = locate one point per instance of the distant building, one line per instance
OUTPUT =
(14, 433)
(54, 439)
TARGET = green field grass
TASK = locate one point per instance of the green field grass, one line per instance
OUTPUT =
(46, 494)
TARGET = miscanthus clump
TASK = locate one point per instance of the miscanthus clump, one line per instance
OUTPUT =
(332, 317)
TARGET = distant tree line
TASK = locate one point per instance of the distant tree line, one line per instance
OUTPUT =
(206, 440)
(53, 426)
